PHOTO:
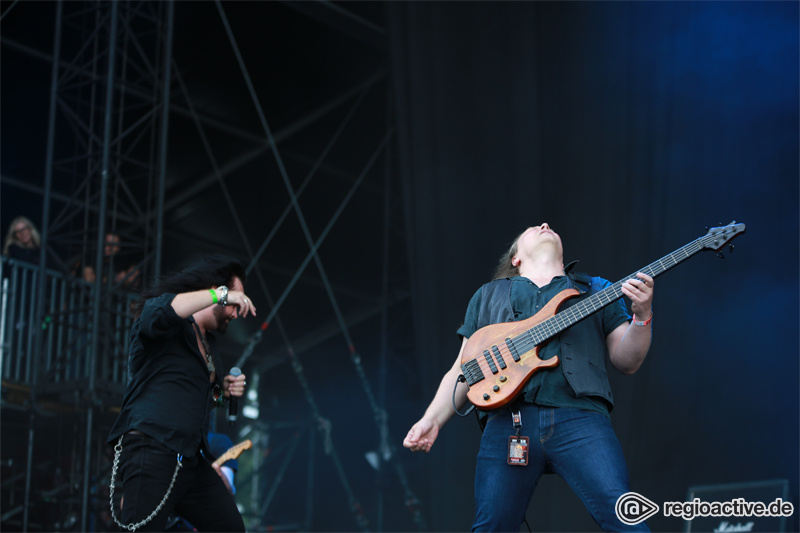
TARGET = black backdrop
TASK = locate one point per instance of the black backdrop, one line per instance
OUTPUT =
(629, 127)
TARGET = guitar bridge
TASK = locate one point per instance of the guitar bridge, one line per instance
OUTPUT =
(472, 371)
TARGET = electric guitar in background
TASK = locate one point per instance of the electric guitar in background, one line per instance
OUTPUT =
(498, 359)
(233, 452)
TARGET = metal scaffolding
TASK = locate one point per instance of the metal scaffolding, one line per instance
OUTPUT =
(116, 88)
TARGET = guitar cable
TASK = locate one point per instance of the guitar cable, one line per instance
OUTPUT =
(461, 379)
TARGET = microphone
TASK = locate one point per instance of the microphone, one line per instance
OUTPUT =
(233, 408)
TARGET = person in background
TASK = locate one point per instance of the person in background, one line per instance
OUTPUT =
(219, 444)
(23, 241)
(127, 275)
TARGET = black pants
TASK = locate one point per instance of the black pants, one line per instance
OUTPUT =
(199, 495)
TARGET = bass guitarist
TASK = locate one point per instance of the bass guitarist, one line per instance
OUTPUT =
(560, 420)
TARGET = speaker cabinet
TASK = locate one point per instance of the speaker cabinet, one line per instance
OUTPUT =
(738, 499)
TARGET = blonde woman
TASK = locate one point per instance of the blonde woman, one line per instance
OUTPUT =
(22, 241)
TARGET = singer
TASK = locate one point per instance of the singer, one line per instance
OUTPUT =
(173, 386)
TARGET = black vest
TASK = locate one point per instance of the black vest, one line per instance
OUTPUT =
(584, 354)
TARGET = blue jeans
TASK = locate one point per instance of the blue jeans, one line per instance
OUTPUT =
(580, 446)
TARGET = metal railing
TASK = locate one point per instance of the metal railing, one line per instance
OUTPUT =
(51, 348)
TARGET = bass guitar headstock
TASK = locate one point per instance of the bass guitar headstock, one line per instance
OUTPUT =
(718, 237)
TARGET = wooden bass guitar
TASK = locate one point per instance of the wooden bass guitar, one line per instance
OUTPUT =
(498, 360)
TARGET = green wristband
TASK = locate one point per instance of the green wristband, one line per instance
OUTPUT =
(213, 295)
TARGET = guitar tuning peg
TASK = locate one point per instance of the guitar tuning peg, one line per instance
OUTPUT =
(730, 248)
(719, 254)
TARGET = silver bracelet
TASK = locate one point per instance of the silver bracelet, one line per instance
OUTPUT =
(223, 300)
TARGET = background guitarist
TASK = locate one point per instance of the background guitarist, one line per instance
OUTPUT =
(219, 443)
(563, 411)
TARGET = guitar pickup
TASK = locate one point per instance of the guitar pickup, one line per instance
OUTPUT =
(499, 357)
(489, 360)
(512, 350)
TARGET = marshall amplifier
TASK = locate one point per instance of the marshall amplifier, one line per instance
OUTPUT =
(736, 507)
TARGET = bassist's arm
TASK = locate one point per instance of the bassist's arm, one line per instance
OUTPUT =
(423, 434)
(628, 344)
